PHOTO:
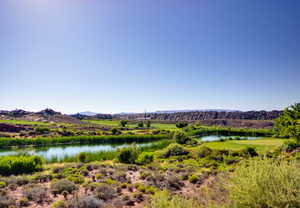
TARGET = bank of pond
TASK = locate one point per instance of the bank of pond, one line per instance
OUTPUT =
(68, 152)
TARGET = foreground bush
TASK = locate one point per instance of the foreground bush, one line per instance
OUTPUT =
(105, 192)
(85, 202)
(6, 201)
(164, 200)
(265, 183)
(63, 185)
(10, 165)
(35, 192)
(181, 138)
(174, 150)
(145, 158)
(128, 155)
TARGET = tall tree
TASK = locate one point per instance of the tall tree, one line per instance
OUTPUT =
(288, 124)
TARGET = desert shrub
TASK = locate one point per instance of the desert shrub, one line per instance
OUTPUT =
(128, 155)
(59, 204)
(204, 152)
(174, 150)
(2, 184)
(163, 199)
(24, 202)
(250, 151)
(181, 124)
(35, 192)
(181, 137)
(145, 158)
(193, 179)
(85, 202)
(6, 201)
(58, 187)
(105, 192)
(82, 157)
(265, 183)
(76, 178)
(20, 164)
(289, 146)
(173, 182)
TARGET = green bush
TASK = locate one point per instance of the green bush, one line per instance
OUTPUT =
(204, 151)
(60, 186)
(76, 178)
(265, 183)
(250, 151)
(145, 158)
(163, 199)
(2, 184)
(289, 146)
(10, 165)
(82, 157)
(174, 150)
(128, 155)
(59, 204)
(193, 179)
(140, 124)
(181, 124)
(181, 138)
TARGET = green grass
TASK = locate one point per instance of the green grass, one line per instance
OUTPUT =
(261, 145)
(23, 122)
(163, 126)
(115, 123)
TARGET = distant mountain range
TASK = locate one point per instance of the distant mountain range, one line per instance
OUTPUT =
(88, 113)
(199, 110)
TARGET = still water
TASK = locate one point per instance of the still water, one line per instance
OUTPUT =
(61, 151)
(64, 150)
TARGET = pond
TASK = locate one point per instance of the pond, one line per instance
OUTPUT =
(65, 150)
(212, 138)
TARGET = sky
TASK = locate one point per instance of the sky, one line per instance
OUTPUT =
(111, 56)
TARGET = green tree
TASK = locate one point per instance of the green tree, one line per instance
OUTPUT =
(288, 124)
(181, 138)
(123, 123)
(148, 124)
(181, 124)
(140, 124)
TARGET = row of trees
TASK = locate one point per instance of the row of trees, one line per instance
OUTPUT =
(140, 124)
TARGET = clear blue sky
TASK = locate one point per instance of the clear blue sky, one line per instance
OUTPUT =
(130, 55)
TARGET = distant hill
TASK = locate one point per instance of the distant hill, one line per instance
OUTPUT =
(200, 110)
(88, 113)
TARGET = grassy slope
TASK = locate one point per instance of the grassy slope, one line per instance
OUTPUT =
(261, 145)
